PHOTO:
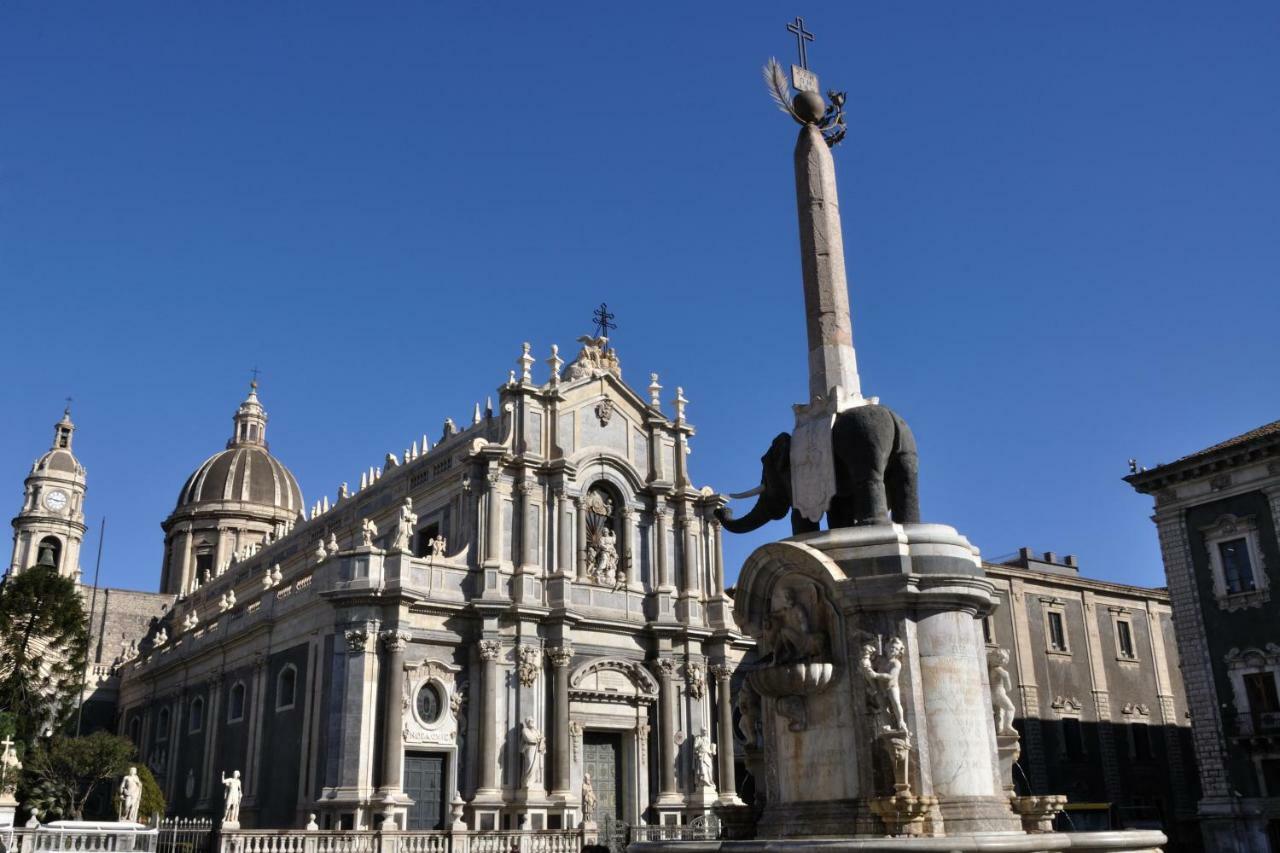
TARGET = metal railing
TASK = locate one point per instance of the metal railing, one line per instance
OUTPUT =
(185, 835)
(404, 841)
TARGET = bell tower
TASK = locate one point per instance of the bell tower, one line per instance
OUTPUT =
(49, 528)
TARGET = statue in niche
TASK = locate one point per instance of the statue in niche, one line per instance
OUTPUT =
(588, 798)
(602, 541)
(404, 527)
(789, 633)
(368, 532)
(884, 688)
(532, 747)
(704, 750)
(1001, 705)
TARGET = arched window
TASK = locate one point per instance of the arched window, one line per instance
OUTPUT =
(162, 726)
(135, 730)
(286, 687)
(49, 552)
(235, 703)
(195, 715)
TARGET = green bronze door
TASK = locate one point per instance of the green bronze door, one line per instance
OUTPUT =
(424, 783)
(602, 758)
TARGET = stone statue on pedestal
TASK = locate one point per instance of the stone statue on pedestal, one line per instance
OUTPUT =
(532, 747)
(231, 808)
(130, 796)
(588, 800)
(1001, 705)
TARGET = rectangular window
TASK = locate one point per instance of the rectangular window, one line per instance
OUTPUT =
(1057, 632)
(1237, 569)
(986, 630)
(1140, 740)
(1072, 737)
(1124, 638)
(204, 565)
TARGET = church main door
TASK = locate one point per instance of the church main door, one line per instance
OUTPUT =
(602, 758)
(424, 783)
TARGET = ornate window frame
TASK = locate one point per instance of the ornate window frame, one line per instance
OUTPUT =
(1057, 606)
(441, 677)
(1225, 529)
(1123, 615)
(1250, 661)
(1069, 708)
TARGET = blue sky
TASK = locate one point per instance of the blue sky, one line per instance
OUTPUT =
(1061, 224)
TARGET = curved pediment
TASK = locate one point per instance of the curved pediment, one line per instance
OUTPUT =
(614, 678)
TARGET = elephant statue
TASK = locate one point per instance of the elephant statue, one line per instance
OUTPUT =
(876, 476)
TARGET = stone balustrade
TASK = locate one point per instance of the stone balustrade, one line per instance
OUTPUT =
(400, 841)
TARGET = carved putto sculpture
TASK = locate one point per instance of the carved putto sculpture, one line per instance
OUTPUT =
(130, 796)
(331, 546)
(231, 809)
(404, 527)
(1001, 705)
(532, 747)
(883, 684)
(321, 553)
(438, 545)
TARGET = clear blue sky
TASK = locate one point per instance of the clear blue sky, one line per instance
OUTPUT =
(1061, 222)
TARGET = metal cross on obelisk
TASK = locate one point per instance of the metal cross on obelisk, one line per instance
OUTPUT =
(802, 36)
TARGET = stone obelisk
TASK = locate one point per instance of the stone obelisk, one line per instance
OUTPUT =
(833, 366)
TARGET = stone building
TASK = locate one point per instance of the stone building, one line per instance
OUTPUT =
(1099, 695)
(1216, 516)
(484, 622)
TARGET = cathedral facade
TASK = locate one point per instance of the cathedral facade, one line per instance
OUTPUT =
(491, 629)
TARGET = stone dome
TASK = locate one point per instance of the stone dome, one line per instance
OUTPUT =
(59, 460)
(246, 472)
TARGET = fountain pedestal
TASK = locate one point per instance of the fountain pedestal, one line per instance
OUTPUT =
(873, 703)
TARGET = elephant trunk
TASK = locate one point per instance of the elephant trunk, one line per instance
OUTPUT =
(761, 513)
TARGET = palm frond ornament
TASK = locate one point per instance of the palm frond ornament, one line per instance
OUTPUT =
(807, 107)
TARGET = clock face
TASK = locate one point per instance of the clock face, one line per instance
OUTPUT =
(55, 500)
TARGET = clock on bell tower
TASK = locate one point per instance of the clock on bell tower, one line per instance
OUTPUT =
(49, 528)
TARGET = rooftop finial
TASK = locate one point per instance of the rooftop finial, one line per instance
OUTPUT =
(67, 411)
(253, 383)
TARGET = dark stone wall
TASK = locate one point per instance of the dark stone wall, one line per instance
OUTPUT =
(190, 769)
(280, 743)
(1250, 626)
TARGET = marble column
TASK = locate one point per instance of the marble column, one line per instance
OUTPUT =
(184, 562)
(717, 550)
(395, 643)
(630, 555)
(564, 535)
(528, 527)
(493, 520)
(660, 547)
(561, 783)
(489, 652)
(666, 671)
(581, 511)
(724, 733)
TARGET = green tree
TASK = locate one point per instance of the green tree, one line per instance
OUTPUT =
(44, 636)
(61, 775)
(152, 802)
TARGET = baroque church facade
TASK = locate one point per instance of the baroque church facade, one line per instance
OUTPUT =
(526, 613)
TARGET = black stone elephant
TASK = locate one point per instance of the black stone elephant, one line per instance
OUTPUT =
(877, 476)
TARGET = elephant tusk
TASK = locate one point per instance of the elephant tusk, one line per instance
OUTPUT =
(750, 493)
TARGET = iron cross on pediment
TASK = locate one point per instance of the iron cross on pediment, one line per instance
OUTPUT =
(802, 35)
(603, 320)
